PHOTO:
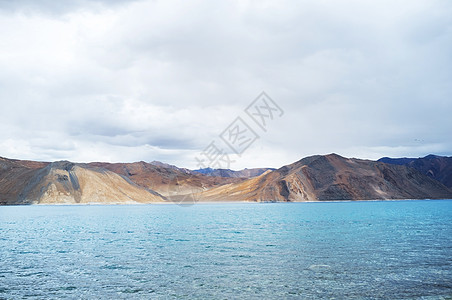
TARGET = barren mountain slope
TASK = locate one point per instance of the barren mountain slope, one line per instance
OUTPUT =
(65, 182)
(166, 180)
(332, 177)
(434, 166)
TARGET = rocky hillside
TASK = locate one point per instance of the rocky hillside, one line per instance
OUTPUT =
(315, 178)
(333, 177)
(165, 179)
(436, 167)
(65, 182)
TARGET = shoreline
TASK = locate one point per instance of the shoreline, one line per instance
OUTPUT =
(218, 202)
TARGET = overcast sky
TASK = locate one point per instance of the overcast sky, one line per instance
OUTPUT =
(160, 80)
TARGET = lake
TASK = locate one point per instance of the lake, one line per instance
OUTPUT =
(342, 250)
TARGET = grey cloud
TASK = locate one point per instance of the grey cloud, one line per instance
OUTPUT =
(161, 79)
(57, 7)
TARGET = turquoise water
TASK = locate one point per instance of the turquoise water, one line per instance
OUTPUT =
(348, 250)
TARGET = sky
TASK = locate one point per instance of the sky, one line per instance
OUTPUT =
(125, 81)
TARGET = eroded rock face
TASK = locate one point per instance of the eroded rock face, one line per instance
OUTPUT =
(436, 167)
(315, 178)
(164, 179)
(333, 177)
(67, 183)
(15, 176)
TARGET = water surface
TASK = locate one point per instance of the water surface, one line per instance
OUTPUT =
(353, 250)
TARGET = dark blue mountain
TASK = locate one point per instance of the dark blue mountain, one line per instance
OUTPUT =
(397, 161)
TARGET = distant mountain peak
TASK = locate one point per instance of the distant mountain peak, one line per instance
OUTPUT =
(245, 173)
(432, 156)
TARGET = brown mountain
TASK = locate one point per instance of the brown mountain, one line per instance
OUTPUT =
(165, 179)
(14, 177)
(315, 178)
(332, 177)
(436, 167)
(23, 182)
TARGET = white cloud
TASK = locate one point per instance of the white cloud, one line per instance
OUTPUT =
(145, 80)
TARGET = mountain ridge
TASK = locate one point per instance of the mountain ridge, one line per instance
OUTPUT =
(333, 177)
(434, 166)
(313, 178)
(244, 173)
(64, 182)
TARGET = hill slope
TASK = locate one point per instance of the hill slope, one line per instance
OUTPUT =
(163, 178)
(315, 178)
(65, 182)
(333, 177)
(436, 167)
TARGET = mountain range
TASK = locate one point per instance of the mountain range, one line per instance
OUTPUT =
(434, 166)
(314, 178)
(245, 173)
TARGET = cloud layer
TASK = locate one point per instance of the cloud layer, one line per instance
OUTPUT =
(159, 80)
